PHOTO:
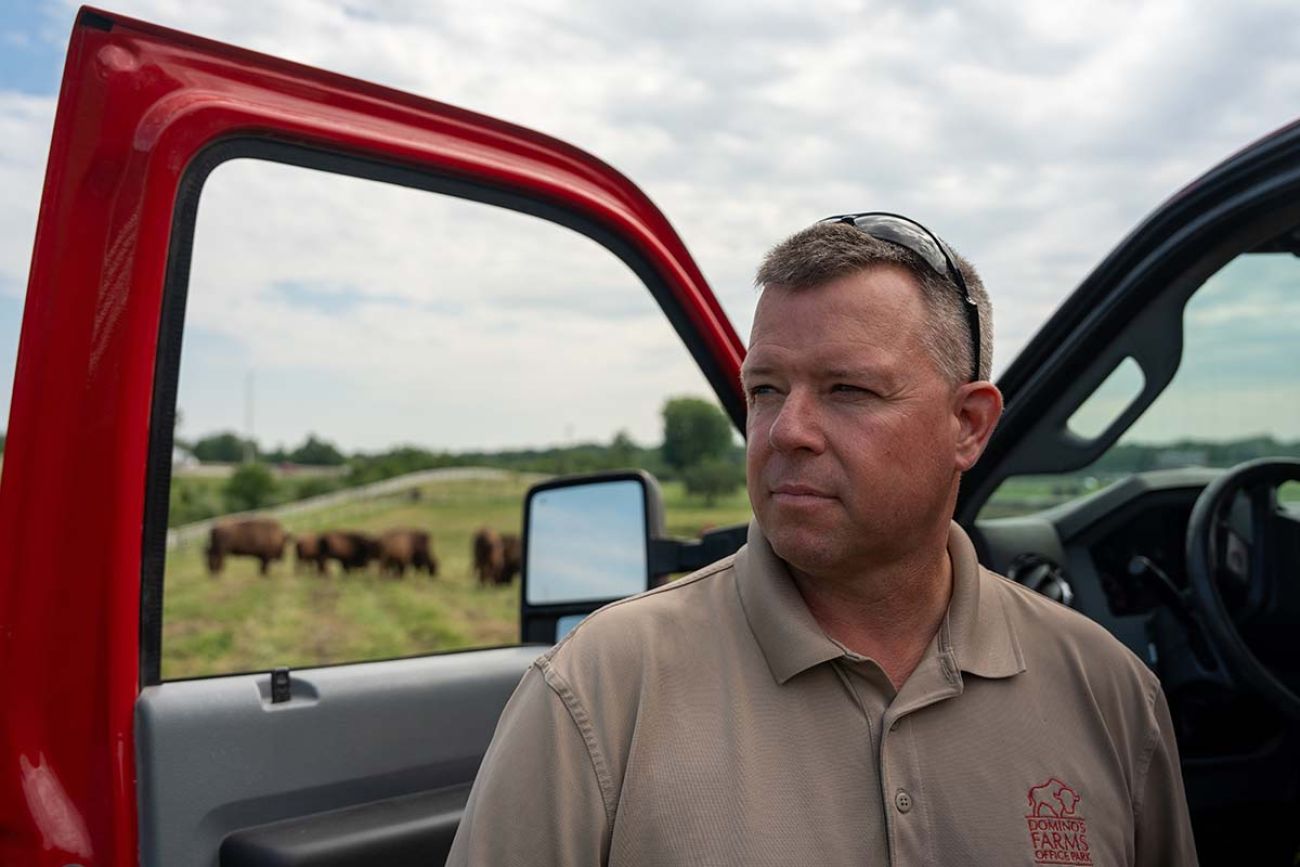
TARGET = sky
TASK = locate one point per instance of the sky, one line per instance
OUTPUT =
(1032, 136)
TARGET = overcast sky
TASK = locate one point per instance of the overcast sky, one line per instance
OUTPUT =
(1032, 136)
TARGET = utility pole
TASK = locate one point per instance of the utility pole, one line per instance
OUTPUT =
(249, 454)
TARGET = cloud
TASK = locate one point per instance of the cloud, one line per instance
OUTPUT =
(1032, 137)
(423, 318)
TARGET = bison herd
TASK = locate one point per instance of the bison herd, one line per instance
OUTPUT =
(394, 551)
(496, 557)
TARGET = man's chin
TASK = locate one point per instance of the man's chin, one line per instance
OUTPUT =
(805, 546)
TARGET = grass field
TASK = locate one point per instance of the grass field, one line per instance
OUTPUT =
(1022, 495)
(240, 621)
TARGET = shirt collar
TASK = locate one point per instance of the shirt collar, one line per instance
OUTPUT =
(788, 634)
(976, 631)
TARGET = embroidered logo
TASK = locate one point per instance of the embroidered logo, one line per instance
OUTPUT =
(1058, 834)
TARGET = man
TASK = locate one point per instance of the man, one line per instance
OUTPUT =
(850, 687)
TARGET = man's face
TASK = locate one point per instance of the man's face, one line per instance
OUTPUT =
(851, 432)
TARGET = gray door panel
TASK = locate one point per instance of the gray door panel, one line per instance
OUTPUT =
(411, 831)
(216, 756)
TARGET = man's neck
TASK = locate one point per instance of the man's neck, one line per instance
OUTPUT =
(889, 613)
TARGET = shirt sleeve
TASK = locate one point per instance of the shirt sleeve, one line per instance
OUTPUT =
(1162, 825)
(537, 799)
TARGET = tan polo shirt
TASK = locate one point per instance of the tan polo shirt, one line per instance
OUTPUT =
(712, 722)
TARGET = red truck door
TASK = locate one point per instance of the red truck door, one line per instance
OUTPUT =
(107, 763)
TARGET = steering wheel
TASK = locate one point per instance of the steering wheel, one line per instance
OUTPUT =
(1243, 565)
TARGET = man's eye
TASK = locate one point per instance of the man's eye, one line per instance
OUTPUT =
(756, 391)
(844, 388)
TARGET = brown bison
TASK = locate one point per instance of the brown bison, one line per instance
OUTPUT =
(496, 556)
(353, 549)
(488, 556)
(307, 548)
(399, 549)
(262, 538)
(512, 551)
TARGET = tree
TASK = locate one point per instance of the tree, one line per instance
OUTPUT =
(249, 487)
(712, 478)
(317, 453)
(277, 455)
(397, 461)
(622, 451)
(694, 430)
(314, 486)
(225, 447)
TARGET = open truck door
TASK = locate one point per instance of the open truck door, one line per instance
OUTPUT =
(108, 762)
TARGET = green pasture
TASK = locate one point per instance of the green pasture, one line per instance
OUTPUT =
(1023, 495)
(240, 621)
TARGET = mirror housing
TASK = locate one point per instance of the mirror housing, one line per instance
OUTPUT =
(594, 539)
(587, 542)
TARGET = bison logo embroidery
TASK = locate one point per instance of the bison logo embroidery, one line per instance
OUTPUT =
(1053, 798)
(1057, 833)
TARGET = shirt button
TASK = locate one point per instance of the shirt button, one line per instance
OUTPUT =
(903, 801)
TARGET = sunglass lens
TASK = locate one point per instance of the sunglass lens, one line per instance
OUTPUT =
(905, 235)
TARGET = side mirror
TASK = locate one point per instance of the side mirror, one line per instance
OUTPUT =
(591, 540)
(587, 542)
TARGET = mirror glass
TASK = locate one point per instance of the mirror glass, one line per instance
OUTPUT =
(586, 542)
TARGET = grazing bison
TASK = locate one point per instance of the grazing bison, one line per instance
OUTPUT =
(512, 551)
(488, 556)
(497, 557)
(353, 550)
(262, 538)
(399, 549)
(307, 548)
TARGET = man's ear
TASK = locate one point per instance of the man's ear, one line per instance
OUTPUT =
(977, 406)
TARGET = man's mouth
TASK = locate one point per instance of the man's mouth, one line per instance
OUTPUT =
(796, 491)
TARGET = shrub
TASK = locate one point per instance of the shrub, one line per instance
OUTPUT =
(249, 487)
(712, 478)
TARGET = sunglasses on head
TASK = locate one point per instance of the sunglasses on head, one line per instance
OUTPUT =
(911, 235)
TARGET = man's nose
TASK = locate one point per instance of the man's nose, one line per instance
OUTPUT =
(797, 425)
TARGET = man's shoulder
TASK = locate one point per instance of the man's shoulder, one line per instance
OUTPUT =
(1074, 667)
(1056, 636)
(668, 621)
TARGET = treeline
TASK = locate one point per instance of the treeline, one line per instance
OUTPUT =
(621, 453)
(1140, 458)
(254, 485)
(696, 435)
(698, 449)
(365, 467)
(227, 447)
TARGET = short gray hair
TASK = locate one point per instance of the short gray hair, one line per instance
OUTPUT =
(826, 251)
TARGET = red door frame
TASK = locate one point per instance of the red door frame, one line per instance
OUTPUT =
(137, 104)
